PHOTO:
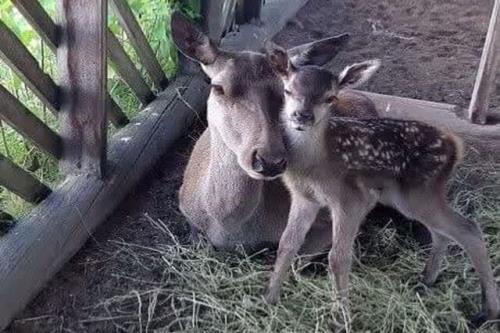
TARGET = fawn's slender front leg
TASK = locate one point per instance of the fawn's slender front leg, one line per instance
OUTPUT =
(347, 215)
(303, 213)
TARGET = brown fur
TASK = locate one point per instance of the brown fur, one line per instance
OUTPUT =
(348, 165)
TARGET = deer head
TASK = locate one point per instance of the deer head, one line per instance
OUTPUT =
(246, 95)
(310, 91)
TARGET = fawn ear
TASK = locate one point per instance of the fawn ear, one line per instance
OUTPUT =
(278, 58)
(356, 74)
(318, 52)
(191, 41)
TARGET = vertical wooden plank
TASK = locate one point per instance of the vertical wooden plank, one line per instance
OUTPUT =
(139, 42)
(488, 65)
(218, 16)
(82, 69)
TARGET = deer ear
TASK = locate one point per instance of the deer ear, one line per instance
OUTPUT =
(191, 41)
(318, 52)
(356, 74)
(278, 58)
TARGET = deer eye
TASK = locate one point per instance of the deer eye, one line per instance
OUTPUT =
(288, 92)
(217, 89)
(331, 99)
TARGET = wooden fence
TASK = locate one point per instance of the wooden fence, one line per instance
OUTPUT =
(98, 174)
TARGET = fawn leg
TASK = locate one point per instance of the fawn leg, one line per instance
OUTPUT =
(438, 251)
(438, 216)
(303, 213)
(347, 216)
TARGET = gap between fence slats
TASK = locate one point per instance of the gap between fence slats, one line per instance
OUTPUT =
(139, 42)
(127, 70)
(20, 60)
(23, 121)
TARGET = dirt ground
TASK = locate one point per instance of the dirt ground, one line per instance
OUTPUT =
(430, 50)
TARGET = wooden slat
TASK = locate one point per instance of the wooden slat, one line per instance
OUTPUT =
(20, 60)
(488, 65)
(22, 120)
(58, 227)
(43, 23)
(34, 13)
(127, 70)
(115, 114)
(83, 74)
(139, 42)
(21, 182)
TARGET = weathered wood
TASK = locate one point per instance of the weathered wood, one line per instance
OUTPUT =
(248, 11)
(22, 120)
(39, 19)
(115, 114)
(83, 74)
(21, 182)
(488, 65)
(218, 16)
(482, 140)
(49, 31)
(20, 60)
(273, 18)
(127, 70)
(140, 43)
(39, 245)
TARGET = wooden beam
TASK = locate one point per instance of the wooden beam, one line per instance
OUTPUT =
(20, 182)
(488, 65)
(39, 20)
(38, 246)
(127, 70)
(49, 31)
(20, 60)
(140, 43)
(23, 121)
(83, 74)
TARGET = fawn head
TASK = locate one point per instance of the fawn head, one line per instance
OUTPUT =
(246, 96)
(311, 91)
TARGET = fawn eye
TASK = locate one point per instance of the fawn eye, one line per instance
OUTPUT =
(217, 89)
(288, 92)
(331, 99)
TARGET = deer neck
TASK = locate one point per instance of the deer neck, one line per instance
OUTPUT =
(227, 181)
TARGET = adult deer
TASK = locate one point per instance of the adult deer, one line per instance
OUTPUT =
(348, 165)
(230, 191)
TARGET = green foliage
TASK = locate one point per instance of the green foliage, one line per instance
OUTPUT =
(154, 18)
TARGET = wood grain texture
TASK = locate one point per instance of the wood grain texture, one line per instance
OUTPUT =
(127, 70)
(83, 74)
(49, 31)
(488, 69)
(28, 125)
(20, 182)
(20, 60)
(140, 43)
(39, 245)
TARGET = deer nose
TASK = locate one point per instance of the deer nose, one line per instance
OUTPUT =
(303, 117)
(268, 166)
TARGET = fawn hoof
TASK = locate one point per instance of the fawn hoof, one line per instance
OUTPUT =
(271, 298)
(479, 319)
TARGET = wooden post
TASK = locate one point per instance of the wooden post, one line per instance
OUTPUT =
(485, 79)
(82, 69)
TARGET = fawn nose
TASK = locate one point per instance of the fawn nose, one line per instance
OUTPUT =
(268, 166)
(303, 117)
